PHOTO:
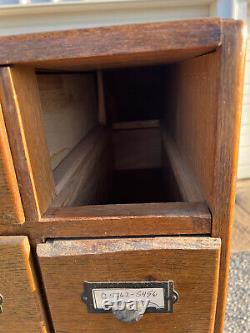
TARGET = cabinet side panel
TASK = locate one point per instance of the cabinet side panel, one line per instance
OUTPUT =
(232, 59)
(204, 121)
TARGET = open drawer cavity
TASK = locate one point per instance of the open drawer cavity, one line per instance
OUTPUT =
(115, 145)
(108, 140)
(111, 147)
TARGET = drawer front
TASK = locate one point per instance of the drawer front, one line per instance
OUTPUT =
(20, 308)
(190, 263)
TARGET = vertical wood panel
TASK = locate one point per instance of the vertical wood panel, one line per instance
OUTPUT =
(196, 116)
(22, 112)
(204, 120)
(11, 210)
(232, 58)
(69, 110)
(22, 309)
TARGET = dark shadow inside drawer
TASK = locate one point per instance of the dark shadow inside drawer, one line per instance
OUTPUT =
(108, 138)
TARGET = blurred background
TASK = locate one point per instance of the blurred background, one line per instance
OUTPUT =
(22, 16)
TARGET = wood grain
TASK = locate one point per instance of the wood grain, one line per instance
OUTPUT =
(137, 148)
(187, 185)
(102, 117)
(176, 218)
(203, 119)
(227, 143)
(22, 308)
(113, 46)
(204, 122)
(83, 177)
(22, 113)
(11, 210)
(192, 263)
(69, 105)
(192, 124)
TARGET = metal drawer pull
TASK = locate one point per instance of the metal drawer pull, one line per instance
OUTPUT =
(1, 303)
(129, 301)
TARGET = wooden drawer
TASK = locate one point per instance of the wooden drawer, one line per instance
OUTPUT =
(20, 309)
(191, 263)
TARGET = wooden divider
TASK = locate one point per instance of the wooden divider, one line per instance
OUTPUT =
(11, 210)
(23, 118)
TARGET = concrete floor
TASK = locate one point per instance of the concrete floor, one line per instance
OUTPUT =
(238, 306)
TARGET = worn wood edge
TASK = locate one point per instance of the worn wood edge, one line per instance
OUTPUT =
(232, 54)
(29, 185)
(39, 232)
(136, 124)
(187, 184)
(9, 103)
(11, 179)
(38, 154)
(174, 219)
(21, 245)
(34, 284)
(203, 34)
(133, 211)
(100, 246)
(12, 240)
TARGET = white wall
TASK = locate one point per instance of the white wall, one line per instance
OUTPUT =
(81, 14)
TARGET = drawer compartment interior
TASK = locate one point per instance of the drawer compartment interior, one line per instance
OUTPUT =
(108, 139)
(120, 140)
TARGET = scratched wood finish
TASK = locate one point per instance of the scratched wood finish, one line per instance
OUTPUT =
(176, 218)
(22, 113)
(22, 309)
(11, 210)
(192, 263)
(113, 46)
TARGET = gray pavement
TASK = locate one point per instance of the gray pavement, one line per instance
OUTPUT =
(238, 304)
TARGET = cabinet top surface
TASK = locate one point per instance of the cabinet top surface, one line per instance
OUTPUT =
(162, 42)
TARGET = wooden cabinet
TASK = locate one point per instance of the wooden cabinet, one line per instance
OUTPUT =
(191, 263)
(20, 309)
(110, 136)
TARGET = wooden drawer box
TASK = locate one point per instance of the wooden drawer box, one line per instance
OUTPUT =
(112, 140)
(191, 263)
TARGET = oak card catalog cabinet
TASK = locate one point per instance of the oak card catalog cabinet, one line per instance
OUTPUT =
(118, 155)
